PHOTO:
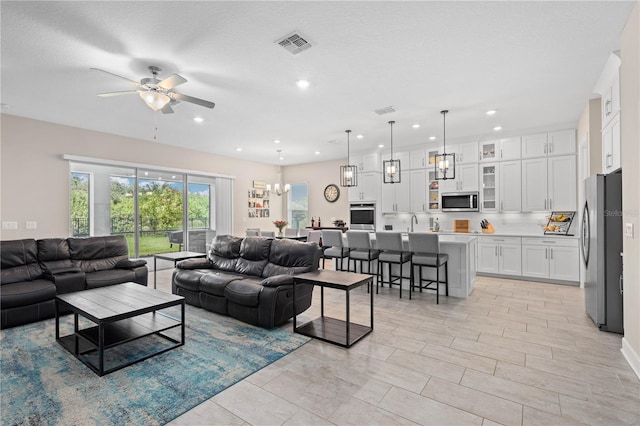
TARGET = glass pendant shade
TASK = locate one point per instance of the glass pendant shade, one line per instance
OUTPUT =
(155, 100)
(391, 169)
(445, 164)
(348, 172)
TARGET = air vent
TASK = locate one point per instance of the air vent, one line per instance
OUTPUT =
(385, 110)
(294, 43)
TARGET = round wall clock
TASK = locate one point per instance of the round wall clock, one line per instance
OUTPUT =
(332, 193)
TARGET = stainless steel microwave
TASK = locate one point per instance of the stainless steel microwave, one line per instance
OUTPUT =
(460, 201)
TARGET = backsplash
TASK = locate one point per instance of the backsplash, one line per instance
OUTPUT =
(517, 223)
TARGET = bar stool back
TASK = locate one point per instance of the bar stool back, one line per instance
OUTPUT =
(333, 248)
(391, 252)
(425, 249)
(361, 250)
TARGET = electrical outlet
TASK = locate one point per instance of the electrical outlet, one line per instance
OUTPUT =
(9, 225)
(31, 225)
(628, 230)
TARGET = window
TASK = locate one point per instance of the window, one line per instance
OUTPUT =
(148, 206)
(298, 206)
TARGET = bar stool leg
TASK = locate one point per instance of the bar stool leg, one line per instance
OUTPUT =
(437, 281)
(446, 277)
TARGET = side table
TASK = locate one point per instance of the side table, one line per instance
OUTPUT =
(342, 333)
(175, 257)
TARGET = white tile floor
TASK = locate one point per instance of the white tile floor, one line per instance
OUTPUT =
(514, 353)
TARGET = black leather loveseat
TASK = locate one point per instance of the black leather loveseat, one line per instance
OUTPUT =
(249, 278)
(33, 272)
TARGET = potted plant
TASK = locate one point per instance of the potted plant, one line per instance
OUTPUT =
(280, 224)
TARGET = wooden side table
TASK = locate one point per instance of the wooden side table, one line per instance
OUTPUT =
(342, 333)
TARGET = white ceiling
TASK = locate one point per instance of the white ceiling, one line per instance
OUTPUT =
(535, 62)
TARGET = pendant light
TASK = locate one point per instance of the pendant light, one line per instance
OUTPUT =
(391, 167)
(348, 172)
(276, 187)
(445, 163)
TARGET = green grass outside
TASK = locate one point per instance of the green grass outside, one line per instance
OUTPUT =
(152, 244)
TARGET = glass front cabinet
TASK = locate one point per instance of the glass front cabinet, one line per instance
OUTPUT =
(489, 193)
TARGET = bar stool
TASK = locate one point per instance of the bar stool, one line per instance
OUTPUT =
(333, 247)
(361, 250)
(425, 250)
(392, 253)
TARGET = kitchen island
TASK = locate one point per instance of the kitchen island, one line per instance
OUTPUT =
(462, 263)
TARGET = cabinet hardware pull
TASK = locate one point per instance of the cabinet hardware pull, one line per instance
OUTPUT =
(496, 250)
(500, 250)
(501, 205)
(545, 253)
(501, 156)
(551, 250)
(479, 155)
(550, 148)
(545, 203)
(545, 148)
(550, 203)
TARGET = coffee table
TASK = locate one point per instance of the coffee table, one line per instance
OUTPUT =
(175, 257)
(339, 332)
(122, 313)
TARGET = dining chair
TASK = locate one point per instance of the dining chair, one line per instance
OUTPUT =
(314, 237)
(425, 253)
(333, 247)
(268, 234)
(391, 253)
(290, 232)
(253, 232)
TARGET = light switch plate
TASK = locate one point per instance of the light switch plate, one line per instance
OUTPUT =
(31, 225)
(9, 225)
(628, 230)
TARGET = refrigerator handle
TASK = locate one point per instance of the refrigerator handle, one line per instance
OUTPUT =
(621, 284)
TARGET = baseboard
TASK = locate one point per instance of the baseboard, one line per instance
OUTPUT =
(631, 356)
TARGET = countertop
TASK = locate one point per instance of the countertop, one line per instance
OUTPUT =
(507, 234)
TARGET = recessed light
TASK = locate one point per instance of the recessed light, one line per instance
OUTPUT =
(491, 112)
(317, 152)
(238, 149)
(360, 136)
(276, 141)
(497, 128)
(173, 177)
(415, 126)
(381, 146)
(198, 119)
(432, 138)
(303, 84)
(146, 173)
(281, 158)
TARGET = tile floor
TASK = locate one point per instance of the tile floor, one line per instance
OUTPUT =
(514, 353)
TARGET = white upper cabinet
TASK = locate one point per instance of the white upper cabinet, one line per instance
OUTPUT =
(418, 184)
(467, 153)
(504, 149)
(608, 86)
(368, 188)
(560, 142)
(611, 160)
(534, 185)
(534, 145)
(418, 159)
(510, 186)
(367, 163)
(549, 184)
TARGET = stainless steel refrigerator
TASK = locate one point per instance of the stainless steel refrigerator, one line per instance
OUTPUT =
(601, 242)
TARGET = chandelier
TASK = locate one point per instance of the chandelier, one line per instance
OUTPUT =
(445, 163)
(277, 189)
(391, 167)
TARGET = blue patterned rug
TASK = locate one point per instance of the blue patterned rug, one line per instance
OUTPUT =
(42, 383)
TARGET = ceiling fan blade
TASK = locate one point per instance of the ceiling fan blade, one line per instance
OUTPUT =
(124, 92)
(136, 83)
(167, 109)
(172, 81)
(185, 98)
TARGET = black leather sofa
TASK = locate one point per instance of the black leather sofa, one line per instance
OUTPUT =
(33, 272)
(249, 278)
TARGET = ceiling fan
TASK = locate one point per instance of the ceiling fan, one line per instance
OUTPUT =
(158, 94)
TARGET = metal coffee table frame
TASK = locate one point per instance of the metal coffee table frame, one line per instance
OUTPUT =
(122, 313)
(342, 333)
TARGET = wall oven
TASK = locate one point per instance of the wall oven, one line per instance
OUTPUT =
(460, 201)
(362, 216)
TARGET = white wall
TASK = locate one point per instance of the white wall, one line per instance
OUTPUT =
(34, 179)
(630, 133)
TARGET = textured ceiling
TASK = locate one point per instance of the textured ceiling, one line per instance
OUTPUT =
(535, 62)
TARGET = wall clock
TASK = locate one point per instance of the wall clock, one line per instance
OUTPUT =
(331, 193)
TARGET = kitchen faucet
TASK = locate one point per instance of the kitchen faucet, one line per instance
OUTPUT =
(416, 218)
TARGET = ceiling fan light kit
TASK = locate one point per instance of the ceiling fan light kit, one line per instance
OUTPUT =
(158, 94)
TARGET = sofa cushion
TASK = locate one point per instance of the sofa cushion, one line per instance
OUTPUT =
(188, 278)
(254, 254)
(54, 254)
(245, 292)
(109, 277)
(19, 261)
(215, 282)
(98, 253)
(291, 257)
(27, 293)
(226, 246)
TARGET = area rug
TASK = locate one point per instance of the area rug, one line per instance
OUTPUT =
(42, 383)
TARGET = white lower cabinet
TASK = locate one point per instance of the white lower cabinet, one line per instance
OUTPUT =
(500, 255)
(551, 258)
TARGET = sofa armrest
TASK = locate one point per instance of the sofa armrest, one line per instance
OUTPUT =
(130, 263)
(49, 272)
(277, 280)
(195, 264)
(67, 279)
